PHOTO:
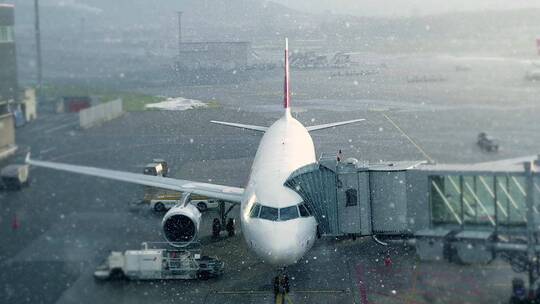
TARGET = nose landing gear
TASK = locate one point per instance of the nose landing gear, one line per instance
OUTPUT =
(281, 287)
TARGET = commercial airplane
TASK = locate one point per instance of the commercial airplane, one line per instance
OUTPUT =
(276, 224)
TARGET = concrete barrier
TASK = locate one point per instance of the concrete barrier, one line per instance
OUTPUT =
(7, 135)
(101, 113)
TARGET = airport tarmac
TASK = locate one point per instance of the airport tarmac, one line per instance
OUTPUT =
(68, 223)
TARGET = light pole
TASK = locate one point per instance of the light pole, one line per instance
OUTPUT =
(38, 48)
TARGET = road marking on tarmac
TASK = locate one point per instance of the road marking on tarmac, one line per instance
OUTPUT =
(409, 138)
(47, 150)
(269, 291)
(415, 279)
(61, 127)
(361, 284)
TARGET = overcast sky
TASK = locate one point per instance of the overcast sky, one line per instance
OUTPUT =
(404, 7)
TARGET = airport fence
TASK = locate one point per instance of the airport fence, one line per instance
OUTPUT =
(101, 113)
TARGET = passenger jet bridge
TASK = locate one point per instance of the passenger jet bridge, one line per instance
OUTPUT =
(470, 213)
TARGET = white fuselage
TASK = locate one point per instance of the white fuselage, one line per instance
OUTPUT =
(285, 147)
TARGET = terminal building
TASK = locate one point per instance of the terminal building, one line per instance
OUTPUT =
(213, 55)
(8, 79)
(8, 61)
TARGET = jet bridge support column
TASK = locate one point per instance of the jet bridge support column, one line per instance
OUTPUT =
(532, 256)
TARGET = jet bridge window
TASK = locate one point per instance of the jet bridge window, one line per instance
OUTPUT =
(352, 197)
(478, 200)
(288, 213)
(269, 213)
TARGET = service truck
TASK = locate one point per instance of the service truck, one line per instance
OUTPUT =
(159, 264)
(15, 176)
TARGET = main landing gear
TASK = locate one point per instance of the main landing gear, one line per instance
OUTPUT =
(223, 222)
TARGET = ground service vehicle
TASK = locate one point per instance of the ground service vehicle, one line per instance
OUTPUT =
(155, 169)
(164, 166)
(160, 202)
(163, 201)
(15, 176)
(159, 264)
(487, 143)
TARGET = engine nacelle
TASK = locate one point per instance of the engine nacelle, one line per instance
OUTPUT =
(181, 225)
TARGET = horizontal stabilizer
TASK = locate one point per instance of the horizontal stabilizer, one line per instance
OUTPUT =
(242, 126)
(331, 125)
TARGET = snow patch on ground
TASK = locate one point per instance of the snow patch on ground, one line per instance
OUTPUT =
(177, 104)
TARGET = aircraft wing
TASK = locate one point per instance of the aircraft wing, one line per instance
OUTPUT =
(331, 125)
(230, 194)
(242, 126)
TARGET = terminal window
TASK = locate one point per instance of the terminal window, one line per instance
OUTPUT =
(6, 34)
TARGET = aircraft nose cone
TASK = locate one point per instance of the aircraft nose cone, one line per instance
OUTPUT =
(286, 253)
(282, 246)
(280, 252)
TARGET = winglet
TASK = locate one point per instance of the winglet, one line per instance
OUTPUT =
(27, 158)
(286, 91)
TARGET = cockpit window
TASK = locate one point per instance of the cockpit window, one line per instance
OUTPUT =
(255, 210)
(269, 213)
(288, 213)
(303, 210)
(279, 214)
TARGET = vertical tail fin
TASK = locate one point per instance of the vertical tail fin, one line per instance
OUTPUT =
(286, 92)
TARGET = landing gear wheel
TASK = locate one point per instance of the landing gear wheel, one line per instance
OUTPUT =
(216, 228)
(203, 275)
(116, 274)
(159, 207)
(230, 227)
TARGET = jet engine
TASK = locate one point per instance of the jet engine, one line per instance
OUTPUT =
(181, 225)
